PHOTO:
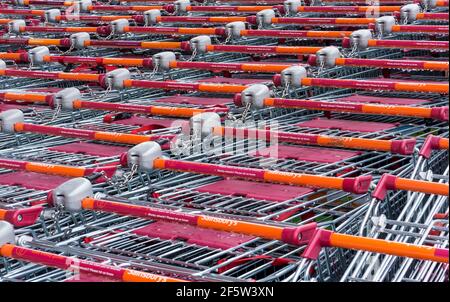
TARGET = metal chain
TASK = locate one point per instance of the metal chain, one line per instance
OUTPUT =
(246, 112)
(155, 70)
(194, 53)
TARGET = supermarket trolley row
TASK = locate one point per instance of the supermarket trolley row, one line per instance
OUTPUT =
(318, 202)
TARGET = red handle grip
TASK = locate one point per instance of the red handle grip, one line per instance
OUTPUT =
(433, 143)
(21, 217)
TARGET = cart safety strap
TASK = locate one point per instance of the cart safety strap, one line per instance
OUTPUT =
(405, 146)
(69, 263)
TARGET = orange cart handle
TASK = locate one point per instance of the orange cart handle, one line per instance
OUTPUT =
(67, 263)
(357, 185)
(320, 238)
(286, 234)
(404, 146)
(395, 183)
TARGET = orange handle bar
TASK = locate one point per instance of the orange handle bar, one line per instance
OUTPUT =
(377, 85)
(203, 221)
(440, 113)
(317, 238)
(404, 147)
(358, 185)
(67, 263)
(388, 247)
(391, 182)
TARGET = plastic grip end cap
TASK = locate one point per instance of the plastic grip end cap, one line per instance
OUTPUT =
(163, 59)
(200, 43)
(320, 238)
(440, 113)
(387, 182)
(237, 99)
(357, 185)
(327, 56)
(346, 42)
(252, 20)
(431, 143)
(66, 97)
(71, 193)
(114, 79)
(9, 118)
(6, 233)
(205, 123)
(403, 146)
(143, 155)
(299, 235)
(24, 217)
(255, 95)
(312, 60)
(293, 76)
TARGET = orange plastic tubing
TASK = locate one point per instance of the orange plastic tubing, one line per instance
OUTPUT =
(422, 87)
(354, 20)
(81, 29)
(175, 111)
(443, 143)
(240, 227)
(2, 214)
(124, 138)
(138, 276)
(304, 180)
(264, 67)
(355, 143)
(112, 18)
(328, 34)
(41, 98)
(397, 110)
(33, 41)
(123, 61)
(205, 87)
(55, 169)
(227, 19)
(9, 56)
(85, 77)
(421, 186)
(385, 247)
(161, 45)
(197, 31)
(297, 50)
(436, 65)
